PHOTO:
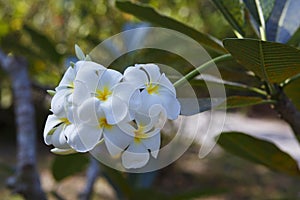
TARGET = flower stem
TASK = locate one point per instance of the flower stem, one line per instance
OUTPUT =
(201, 68)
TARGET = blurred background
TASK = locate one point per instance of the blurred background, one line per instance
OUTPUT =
(45, 32)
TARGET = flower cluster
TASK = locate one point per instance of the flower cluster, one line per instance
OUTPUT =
(93, 104)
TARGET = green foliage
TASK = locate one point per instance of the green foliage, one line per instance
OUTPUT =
(254, 6)
(128, 190)
(242, 101)
(292, 90)
(267, 7)
(43, 43)
(259, 151)
(265, 59)
(68, 165)
(272, 63)
(233, 12)
(149, 14)
(294, 40)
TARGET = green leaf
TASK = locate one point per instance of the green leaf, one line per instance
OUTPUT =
(259, 151)
(11, 43)
(295, 39)
(68, 165)
(189, 106)
(232, 88)
(45, 45)
(149, 14)
(292, 91)
(242, 101)
(234, 72)
(272, 62)
(265, 5)
(233, 11)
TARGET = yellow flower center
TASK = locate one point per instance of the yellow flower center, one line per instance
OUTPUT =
(71, 87)
(139, 134)
(103, 123)
(152, 88)
(65, 121)
(103, 94)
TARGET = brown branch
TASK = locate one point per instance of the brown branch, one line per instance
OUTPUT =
(287, 111)
(26, 180)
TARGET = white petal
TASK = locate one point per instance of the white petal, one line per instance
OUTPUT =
(81, 93)
(115, 110)
(148, 101)
(144, 120)
(135, 103)
(171, 104)
(116, 140)
(89, 65)
(69, 130)
(84, 63)
(67, 79)
(136, 77)
(58, 138)
(130, 95)
(63, 151)
(89, 74)
(70, 113)
(84, 138)
(164, 81)
(126, 128)
(152, 71)
(153, 143)
(136, 156)
(59, 101)
(51, 122)
(125, 91)
(89, 112)
(109, 78)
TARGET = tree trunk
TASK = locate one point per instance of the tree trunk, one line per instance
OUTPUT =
(26, 180)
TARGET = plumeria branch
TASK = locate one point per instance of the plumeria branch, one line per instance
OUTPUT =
(287, 111)
(26, 180)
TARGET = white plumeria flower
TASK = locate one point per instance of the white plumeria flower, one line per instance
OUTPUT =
(114, 97)
(101, 101)
(64, 91)
(144, 138)
(56, 132)
(157, 89)
(91, 128)
(60, 124)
